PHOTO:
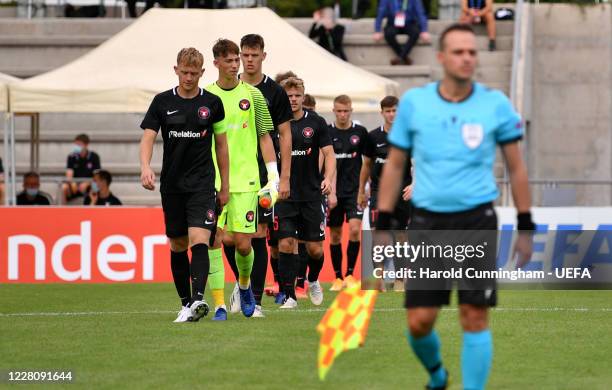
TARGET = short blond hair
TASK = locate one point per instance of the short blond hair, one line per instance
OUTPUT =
(293, 82)
(343, 99)
(190, 56)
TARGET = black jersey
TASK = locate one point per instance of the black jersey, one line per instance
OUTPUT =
(280, 111)
(348, 146)
(308, 135)
(41, 199)
(112, 200)
(187, 131)
(83, 166)
(377, 148)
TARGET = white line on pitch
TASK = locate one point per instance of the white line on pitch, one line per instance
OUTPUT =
(501, 309)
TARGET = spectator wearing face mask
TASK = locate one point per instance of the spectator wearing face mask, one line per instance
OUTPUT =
(31, 194)
(80, 167)
(100, 194)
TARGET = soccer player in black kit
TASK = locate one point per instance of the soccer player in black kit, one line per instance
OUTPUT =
(188, 117)
(348, 139)
(302, 216)
(374, 159)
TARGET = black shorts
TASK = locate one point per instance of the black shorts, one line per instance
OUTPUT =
(75, 194)
(185, 210)
(401, 214)
(437, 298)
(345, 210)
(480, 218)
(265, 216)
(272, 233)
(303, 220)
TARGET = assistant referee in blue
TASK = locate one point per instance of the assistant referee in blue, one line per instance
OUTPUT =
(451, 129)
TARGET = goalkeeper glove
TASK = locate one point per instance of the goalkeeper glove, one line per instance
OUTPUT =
(271, 188)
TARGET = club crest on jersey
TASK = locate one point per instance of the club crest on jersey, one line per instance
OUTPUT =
(210, 215)
(244, 104)
(308, 132)
(322, 226)
(472, 134)
(354, 139)
(250, 216)
(203, 112)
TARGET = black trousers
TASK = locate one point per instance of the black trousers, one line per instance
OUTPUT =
(391, 32)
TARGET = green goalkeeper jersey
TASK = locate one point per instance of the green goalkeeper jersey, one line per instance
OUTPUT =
(246, 118)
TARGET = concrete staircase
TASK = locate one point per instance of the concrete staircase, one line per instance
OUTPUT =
(361, 50)
(32, 47)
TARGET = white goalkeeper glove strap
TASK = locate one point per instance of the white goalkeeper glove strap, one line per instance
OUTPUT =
(272, 168)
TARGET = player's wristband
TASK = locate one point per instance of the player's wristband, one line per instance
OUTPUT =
(272, 169)
(383, 222)
(525, 222)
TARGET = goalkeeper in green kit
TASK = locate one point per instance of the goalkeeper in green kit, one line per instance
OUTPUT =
(248, 123)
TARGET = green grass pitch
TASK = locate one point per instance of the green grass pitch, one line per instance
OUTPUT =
(122, 336)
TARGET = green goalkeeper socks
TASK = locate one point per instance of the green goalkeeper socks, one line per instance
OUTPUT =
(216, 277)
(245, 265)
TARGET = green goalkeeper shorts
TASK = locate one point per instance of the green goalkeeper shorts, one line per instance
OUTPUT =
(240, 213)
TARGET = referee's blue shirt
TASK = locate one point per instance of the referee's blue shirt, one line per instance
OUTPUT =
(453, 144)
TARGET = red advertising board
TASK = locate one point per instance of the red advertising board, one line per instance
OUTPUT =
(90, 245)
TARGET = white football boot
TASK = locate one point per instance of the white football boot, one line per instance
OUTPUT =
(316, 293)
(234, 302)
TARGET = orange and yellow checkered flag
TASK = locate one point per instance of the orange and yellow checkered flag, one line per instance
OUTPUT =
(345, 325)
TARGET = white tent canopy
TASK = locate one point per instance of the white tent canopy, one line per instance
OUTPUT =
(124, 73)
(5, 79)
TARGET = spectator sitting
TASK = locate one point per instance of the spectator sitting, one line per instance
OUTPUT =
(309, 103)
(327, 33)
(479, 11)
(81, 165)
(100, 194)
(403, 17)
(31, 194)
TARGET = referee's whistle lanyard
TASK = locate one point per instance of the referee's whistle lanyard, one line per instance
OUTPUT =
(404, 5)
(400, 15)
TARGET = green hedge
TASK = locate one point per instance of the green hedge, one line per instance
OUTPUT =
(305, 8)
